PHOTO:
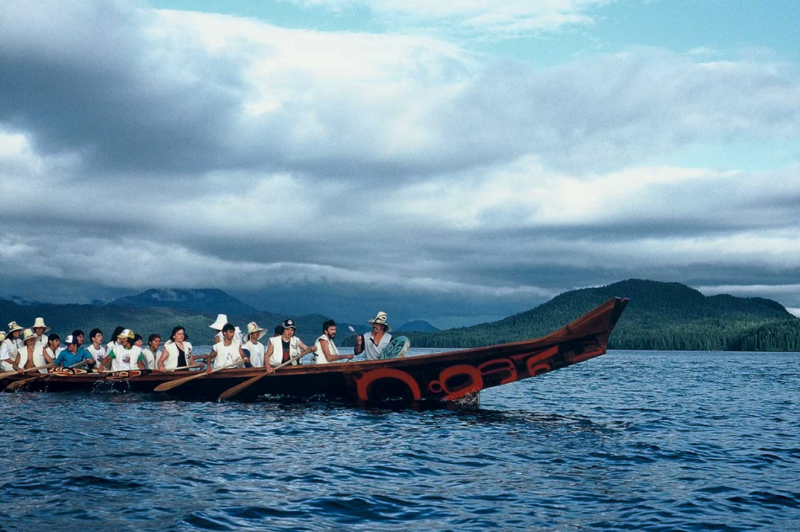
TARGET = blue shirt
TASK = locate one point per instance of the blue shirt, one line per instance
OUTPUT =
(66, 358)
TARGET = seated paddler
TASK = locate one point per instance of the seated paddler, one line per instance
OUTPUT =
(326, 350)
(373, 342)
(73, 355)
(125, 356)
(226, 352)
(285, 347)
(177, 352)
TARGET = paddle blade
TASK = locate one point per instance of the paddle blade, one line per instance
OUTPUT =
(16, 385)
(166, 386)
(235, 390)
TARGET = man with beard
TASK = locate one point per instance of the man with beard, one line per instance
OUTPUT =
(326, 350)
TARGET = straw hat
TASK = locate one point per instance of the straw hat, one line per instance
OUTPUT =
(252, 327)
(222, 319)
(14, 327)
(40, 323)
(28, 334)
(2, 336)
(127, 333)
(381, 319)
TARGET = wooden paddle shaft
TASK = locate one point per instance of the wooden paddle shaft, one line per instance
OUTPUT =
(235, 390)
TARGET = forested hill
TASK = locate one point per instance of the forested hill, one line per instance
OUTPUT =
(63, 319)
(660, 315)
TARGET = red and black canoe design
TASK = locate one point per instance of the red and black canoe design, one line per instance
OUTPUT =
(449, 376)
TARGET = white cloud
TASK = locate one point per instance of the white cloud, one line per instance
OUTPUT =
(484, 16)
(220, 149)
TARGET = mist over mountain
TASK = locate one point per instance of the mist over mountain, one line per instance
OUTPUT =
(207, 301)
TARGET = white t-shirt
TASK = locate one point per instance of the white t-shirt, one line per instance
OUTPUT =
(227, 354)
(125, 359)
(150, 358)
(256, 353)
(99, 353)
(8, 351)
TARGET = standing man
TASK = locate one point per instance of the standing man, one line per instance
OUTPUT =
(326, 350)
(97, 349)
(286, 347)
(372, 343)
(227, 351)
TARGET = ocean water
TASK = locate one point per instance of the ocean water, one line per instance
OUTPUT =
(626, 441)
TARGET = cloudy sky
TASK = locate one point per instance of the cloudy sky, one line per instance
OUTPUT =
(456, 163)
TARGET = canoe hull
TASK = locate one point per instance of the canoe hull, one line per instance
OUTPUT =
(450, 376)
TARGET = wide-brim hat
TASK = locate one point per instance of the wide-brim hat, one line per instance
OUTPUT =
(381, 319)
(28, 334)
(2, 336)
(220, 322)
(39, 322)
(252, 327)
(14, 327)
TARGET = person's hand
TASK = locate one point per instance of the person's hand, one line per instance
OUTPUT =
(350, 357)
(359, 340)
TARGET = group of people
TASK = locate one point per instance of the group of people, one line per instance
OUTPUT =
(30, 348)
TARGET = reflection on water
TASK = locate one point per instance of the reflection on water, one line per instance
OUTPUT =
(645, 441)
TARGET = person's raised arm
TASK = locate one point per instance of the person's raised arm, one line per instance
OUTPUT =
(359, 347)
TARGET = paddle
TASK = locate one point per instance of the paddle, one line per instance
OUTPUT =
(20, 383)
(10, 373)
(235, 390)
(176, 369)
(166, 386)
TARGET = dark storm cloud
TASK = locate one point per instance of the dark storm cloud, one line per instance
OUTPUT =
(423, 180)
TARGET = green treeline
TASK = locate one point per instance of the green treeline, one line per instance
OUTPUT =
(663, 316)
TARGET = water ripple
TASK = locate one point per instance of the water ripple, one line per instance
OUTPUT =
(629, 441)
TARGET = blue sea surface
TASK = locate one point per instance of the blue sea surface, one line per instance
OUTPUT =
(627, 441)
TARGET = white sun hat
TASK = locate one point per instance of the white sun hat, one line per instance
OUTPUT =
(39, 322)
(381, 318)
(13, 326)
(28, 334)
(252, 327)
(222, 319)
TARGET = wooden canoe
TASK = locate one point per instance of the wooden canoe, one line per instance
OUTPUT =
(449, 376)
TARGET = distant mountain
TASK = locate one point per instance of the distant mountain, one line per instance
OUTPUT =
(63, 319)
(22, 301)
(669, 316)
(208, 302)
(417, 326)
